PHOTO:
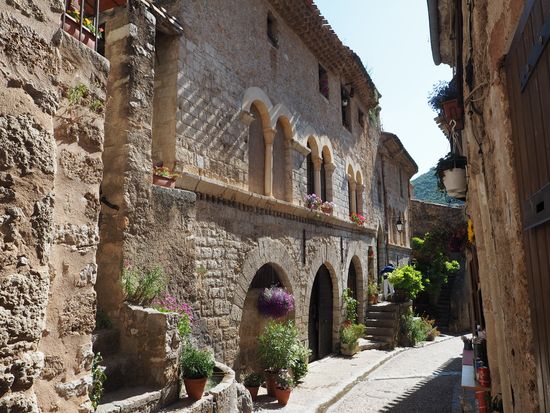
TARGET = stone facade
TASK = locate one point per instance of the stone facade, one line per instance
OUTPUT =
(51, 139)
(492, 201)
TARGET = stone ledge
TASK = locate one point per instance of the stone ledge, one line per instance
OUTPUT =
(212, 190)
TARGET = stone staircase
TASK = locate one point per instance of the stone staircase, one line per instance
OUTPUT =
(382, 321)
(443, 307)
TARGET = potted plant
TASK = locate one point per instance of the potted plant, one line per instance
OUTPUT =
(349, 336)
(327, 207)
(164, 176)
(277, 350)
(275, 302)
(252, 382)
(90, 33)
(313, 202)
(357, 219)
(285, 383)
(444, 101)
(451, 175)
(372, 293)
(407, 282)
(196, 367)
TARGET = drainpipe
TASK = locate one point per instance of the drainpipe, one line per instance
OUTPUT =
(433, 16)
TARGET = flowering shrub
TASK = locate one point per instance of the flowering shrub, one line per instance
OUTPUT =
(170, 304)
(358, 219)
(313, 202)
(74, 12)
(165, 172)
(327, 207)
(275, 302)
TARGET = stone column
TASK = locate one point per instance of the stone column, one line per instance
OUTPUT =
(269, 135)
(352, 188)
(329, 170)
(317, 176)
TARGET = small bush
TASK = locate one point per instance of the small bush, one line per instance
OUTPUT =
(77, 93)
(413, 329)
(98, 379)
(285, 380)
(351, 332)
(196, 364)
(300, 364)
(141, 287)
(253, 380)
(350, 304)
(407, 278)
(170, 304)
(277, 344)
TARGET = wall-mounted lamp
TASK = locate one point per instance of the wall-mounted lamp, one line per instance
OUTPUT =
(399, 224)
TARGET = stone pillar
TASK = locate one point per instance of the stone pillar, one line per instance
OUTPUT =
(317, 176)
(352, 188)
(329, 171)
(269, 135)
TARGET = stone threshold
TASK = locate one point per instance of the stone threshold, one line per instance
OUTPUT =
(214, 191)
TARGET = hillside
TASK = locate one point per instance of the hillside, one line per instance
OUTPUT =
(425, 189)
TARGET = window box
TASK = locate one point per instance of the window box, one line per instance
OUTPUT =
(72, 27)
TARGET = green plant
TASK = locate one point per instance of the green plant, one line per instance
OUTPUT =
(74, 12)
(299, 366)
(276, 345)
(98, 379)
(96, 105)
(350, 305)
(351, 332)
(170, 304)
(165, 172)
(102, 320)
(196, 364)
(77, 93)
(442, 92)
(372, 289)
(141, 286)
(407, 278)
(285, 380)
(413, 329)
(450, 161)
(253, 380)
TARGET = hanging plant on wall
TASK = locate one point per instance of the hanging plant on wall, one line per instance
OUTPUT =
(275, 302)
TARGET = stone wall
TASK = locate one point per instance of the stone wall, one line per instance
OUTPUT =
(493, 205)
(50, 170)
(427, 217)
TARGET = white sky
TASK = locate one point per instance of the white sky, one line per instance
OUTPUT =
(392, 38)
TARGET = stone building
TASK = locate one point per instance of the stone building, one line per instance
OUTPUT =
(497, 51)
(256, 106)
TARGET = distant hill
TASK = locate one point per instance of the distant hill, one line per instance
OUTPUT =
(425, 189)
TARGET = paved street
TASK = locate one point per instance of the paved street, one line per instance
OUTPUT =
(422, 380)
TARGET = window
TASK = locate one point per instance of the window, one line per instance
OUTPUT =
(256, 153)
(346, 108)
(323, 191)
(323, 81)
(310, 173)
(272, 30)
(400, 181)
(361, 118)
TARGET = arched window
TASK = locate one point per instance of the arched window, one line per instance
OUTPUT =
(256, 153)
(323, 190)
(279, 163)
(310, 172)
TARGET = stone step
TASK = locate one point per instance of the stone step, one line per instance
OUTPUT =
(131, 400)
(379, 315)
(121, 371)
(380, 331)
(365, 344)
(383, 339)
(379, 322)
(383, 307)
(106, 341)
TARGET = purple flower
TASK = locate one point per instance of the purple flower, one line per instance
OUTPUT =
(170, 303)
(275, 302)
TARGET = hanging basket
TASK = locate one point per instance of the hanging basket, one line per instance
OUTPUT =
(455, 182)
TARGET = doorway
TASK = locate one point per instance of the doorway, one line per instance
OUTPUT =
(320, 315)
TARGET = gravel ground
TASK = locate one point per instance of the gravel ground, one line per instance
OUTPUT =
(422, 380)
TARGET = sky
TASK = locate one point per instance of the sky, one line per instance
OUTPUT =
(392, 38)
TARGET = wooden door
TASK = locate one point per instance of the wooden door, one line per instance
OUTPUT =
(528, 76)
(352, 280)
(320, 315)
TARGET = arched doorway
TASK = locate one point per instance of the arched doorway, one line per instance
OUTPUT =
(320, 315)
(352, 279)
(252, 322)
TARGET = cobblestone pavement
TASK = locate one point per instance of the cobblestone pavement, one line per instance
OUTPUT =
(421, 380)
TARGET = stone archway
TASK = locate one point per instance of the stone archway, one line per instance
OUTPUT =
(252, 322)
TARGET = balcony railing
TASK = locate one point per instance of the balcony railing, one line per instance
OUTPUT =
(81, 20)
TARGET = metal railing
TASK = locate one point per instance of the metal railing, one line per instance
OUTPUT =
(86, 9)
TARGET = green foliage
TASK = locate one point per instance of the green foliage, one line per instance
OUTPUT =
(102, 320)
(98, 379)
(350, 304)
(196, 364)
(285, 380)
(350, 333)
(372, 289)
(442, 92)
(425, 188)
(277, 344)
(140, 286)
(96, 105)
(253, 380)
(412, 329)
(407, 278)
(430, 257)
(77, 93)
(300, 364)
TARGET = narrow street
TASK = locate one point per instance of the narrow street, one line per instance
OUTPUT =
(425, 379)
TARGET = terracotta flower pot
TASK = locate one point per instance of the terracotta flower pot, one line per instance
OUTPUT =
(270, 383)
(327, 209)
(195, 387)
(164, 182)
(453, 111)
(373, 299)
(72, 27)
(282, 395)
(349, 349)
(253, 392)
